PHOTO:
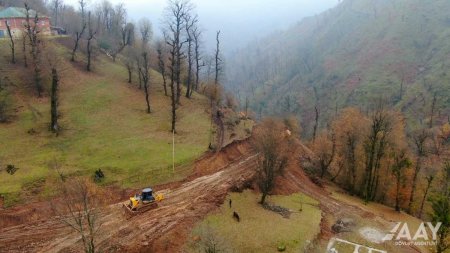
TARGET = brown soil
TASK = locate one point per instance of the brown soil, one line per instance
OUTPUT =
(166, 228)
(33, 229)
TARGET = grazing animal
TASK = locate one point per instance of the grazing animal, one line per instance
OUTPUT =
(236, 217)
(230, 202)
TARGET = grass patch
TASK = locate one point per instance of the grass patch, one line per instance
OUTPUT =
(261, 230)
(105, 126)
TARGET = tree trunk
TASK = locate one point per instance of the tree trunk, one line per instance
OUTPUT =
(140, 77)
(12, 44)
(197, 35)
(89, 53)
(173, 94)
(32, 33)
(130, 74)
(429, 181)
(316, 122)
(54, 127)
(165, 85)
(146, 79)
(218, 60)
(147, 99)
(24, 51)
(397, 195)
(414, 183)
(433, 108)
(178, 80)
(263, 198)
(77, 43)
(189, 78)
(162, 68)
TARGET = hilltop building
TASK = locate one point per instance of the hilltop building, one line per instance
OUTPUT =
(16, 18)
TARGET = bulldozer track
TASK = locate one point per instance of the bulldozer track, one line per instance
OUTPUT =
(182, 207)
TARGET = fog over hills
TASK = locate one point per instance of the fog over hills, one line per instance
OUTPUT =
(351, 55)
(239, 21)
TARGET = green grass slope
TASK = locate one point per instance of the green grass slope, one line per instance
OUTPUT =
(357, 52)
(259, 230)
(105, 126)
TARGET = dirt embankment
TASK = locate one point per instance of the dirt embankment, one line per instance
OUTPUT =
(161, 230)
(166, 228)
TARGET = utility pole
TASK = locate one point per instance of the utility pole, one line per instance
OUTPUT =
(173, 151)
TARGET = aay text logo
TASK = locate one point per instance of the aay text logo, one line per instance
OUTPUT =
(403, 235)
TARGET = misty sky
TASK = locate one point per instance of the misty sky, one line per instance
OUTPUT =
(239, 20)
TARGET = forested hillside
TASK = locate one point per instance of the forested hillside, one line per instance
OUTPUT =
(352, 55)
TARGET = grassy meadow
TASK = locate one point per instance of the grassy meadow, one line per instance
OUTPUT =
(105, 126)
(260, 230)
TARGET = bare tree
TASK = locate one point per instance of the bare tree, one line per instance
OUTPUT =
(218, 59)
(56, 6)
(215, 99)
(91, 36)
(210, 241)
(271, 143)
(429, 179)
(79, 33)
(54, 126)
(196, 33)
(191, 23)
(122, 34)
(316, 122)
(145, 28)
(24, 50)
(349, 127)
(325, 149)
(160, 49)
(139, 69)
(401, 162)
(11, 42)
(129, 62)
(419, 139)
(80, 209)
(32, 31)
(145, 74)
(146, 31)
(375, 149)
(174, 27)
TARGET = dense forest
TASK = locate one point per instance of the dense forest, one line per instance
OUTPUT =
(369, 83)
(351, 55)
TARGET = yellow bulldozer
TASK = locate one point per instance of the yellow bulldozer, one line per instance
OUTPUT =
(142, 202)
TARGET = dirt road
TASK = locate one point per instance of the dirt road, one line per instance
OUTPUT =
(185, 204)
(166, 228)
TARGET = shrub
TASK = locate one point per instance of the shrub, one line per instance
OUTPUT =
(11, 169)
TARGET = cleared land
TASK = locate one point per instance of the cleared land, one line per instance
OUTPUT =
(168, 228)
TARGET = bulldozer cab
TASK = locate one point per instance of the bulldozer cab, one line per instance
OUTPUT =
(147, 195)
